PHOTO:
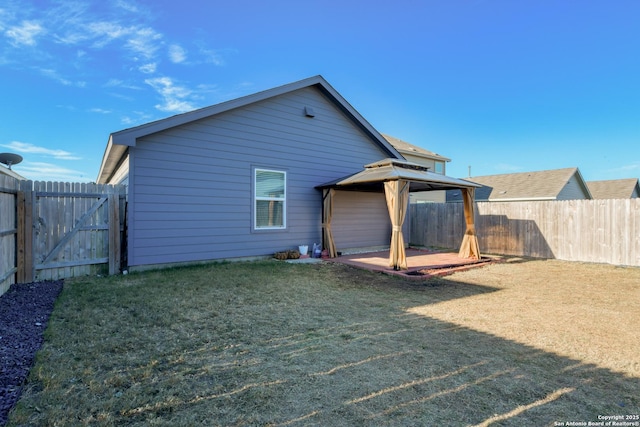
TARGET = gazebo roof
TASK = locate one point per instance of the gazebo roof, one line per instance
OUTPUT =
(375, 174)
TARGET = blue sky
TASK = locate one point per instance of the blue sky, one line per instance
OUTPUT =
(501, 86)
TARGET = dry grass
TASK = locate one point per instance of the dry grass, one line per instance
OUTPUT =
(272, 343)
(589, 312)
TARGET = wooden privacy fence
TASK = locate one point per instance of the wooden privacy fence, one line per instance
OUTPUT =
(54, 230)
(604, 231)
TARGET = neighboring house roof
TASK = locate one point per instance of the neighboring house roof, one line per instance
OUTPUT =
(6, 171)
(119, 141)
(615, 188)
(405, 148)
(557, 184)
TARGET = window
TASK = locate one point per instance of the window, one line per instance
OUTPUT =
(439, 167)
(270, 199)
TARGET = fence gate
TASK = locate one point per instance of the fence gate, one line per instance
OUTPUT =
(70, 229)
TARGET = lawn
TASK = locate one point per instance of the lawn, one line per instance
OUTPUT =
(529, 343)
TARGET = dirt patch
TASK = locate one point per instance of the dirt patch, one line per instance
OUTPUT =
(24, 310)
(447, 269)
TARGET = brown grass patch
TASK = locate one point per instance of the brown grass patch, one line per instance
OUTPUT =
(589, 312)
(280, 344)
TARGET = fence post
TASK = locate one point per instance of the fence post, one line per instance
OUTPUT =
(114, 231)
(25, 232)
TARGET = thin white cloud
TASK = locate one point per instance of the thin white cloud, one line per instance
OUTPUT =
(177, 54)
(128, 6)
(144, 42)
(114, 83)
(121, 84)
(53, 74)
(42, 171)
(141, 117)
(148, 68)
(99, 111)
(25, 34)
(27, 148)
(101, 32)
(631, 169)
(212, 57)
(67, 37)
(175, 97)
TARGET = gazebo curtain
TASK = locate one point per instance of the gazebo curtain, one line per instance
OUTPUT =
(469, 247)
(328, 195)
(397, 195)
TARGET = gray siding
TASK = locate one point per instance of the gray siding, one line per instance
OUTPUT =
(190, 187)
(430, 163)
(572, 190)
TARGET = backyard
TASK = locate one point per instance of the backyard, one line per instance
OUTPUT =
(524, 342)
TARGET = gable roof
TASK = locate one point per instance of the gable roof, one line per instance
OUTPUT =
(541, 185)
(614, 188)
(119, 141)
(405, 148)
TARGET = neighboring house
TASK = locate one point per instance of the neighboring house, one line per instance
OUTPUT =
(615, 189)
(435, 162)
(557, 184)
(237, 179)
(6, 171)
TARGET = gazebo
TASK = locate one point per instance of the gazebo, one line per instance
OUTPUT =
(397, 178)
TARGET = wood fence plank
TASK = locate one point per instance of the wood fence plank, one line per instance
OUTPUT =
(29, 270)
(20, 274)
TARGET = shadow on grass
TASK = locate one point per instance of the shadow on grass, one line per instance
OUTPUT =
(338, 348)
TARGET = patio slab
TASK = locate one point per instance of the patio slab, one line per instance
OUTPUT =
(421, 263)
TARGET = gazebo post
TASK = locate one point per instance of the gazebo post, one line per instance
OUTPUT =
(327, 212)
(469, 247)
(397, 195)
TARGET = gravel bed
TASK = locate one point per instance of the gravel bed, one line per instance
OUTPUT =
(24, 312)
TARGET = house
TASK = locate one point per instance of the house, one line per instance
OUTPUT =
(8, 172)
(248, 177)
(556, 184)
(615, 189)
(435, 162)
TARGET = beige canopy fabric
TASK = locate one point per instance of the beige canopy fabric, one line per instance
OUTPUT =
(327, 212)
(397, 195)
(469, 247)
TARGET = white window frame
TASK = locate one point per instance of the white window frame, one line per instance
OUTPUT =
(435, 167)
(257, 198)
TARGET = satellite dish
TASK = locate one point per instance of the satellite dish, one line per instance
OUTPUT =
(10, 159)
